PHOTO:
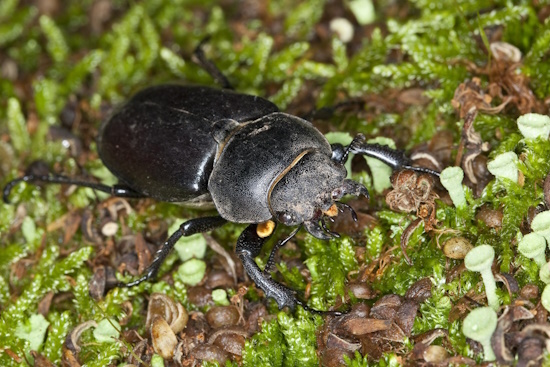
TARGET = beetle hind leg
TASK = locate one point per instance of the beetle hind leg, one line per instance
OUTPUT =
(192, 226)
(115, 190)
(211, 68)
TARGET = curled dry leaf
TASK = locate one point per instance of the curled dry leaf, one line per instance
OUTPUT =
(71, 347)
(128, 311)
(163, 338)
(160, 305)
(546, 190)
(40, 360)
(138, 352)
(230, 341)
(210, 353)
(364, 326)
(229, 264)
(531, 352)
(420, 291)
(104, 278)
(386, 307)
(502, 352)
(88, 229)
(509, 281)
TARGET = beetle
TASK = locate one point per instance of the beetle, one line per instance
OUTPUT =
(254, 163)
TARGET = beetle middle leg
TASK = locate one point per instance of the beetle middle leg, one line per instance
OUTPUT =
(188, 228)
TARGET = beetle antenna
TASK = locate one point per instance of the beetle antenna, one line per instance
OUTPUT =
(346, 206)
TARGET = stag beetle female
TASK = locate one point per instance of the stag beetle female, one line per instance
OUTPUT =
(256, 164)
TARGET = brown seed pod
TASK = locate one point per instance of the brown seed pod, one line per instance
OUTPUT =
(435, 354)
(457, 247)
(164, 339)
(491, 217)
(219, 316)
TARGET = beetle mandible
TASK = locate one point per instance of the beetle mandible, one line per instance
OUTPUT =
(257, 165)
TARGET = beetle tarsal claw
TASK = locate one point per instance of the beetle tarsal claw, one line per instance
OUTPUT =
(354, 188)
(315, 230)
(265, 229)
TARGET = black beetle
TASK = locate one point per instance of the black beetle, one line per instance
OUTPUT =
(256, 164)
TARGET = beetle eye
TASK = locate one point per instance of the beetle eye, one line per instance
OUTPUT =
(336, 194)
(285, 218)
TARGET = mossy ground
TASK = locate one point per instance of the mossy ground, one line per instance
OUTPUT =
(58, 61)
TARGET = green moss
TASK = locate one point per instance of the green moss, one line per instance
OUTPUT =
(426, 46)
(286, 341)
(329, 264)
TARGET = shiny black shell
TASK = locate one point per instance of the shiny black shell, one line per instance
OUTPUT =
(161, 142)
(254, 156)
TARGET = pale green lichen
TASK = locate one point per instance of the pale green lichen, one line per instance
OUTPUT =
(219, 296)
(541, 225)
(480, 259)
(545, 297)
(33, 330)
(505, 166)
(480, 325)
(189, 247)
(451, 178)
(534, 125)
(192, 271)
(533, 246)
(107, 331)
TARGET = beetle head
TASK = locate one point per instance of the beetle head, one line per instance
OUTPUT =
(309, 192)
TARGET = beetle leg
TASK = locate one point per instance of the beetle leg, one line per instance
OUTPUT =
(115, 190)
(211, 68)
(271, 260)
(248, 247)
(346, 206)
(339, 153)
(396, 159)
(192, 226)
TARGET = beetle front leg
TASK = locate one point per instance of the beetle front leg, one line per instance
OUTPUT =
(248, 247)
(192, 226)
(396, 159)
